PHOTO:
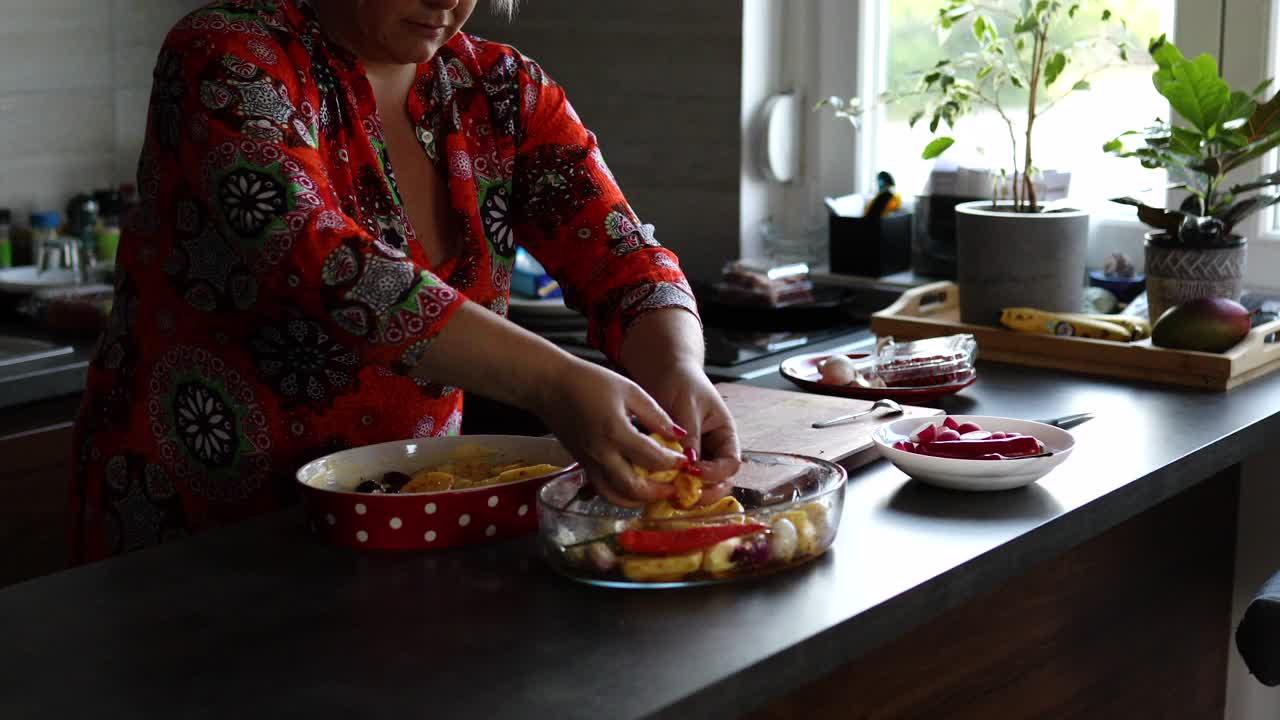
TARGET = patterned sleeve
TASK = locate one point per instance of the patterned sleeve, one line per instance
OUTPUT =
(237, 138)
(569, 214)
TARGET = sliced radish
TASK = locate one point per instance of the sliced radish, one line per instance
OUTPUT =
(947, 435)
(999, 436)
(951, 423)
(925, 433)
(977, 434)
(904, 446)
(968, 428)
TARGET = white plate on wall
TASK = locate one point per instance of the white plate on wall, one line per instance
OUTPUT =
(976, 475)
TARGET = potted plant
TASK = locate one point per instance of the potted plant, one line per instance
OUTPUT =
(1194, 250)
(1011, 250)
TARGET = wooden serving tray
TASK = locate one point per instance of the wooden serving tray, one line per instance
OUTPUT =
(934, 310)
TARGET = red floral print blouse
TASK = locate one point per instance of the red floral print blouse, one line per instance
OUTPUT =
(271, 295)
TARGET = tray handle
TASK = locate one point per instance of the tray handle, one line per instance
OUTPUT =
(925, 300)
(1263, 340)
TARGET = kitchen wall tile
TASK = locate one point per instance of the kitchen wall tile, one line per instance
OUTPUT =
(74, 80)
(54, 45)
(130, 127)
(63, 122)
(46, 182)
(138, 28)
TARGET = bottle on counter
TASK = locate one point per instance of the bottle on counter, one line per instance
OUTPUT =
(82, 214)
(44, 234)
(6, 238)
(108, 227)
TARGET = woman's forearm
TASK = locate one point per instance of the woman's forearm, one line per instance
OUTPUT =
(662, 341)
(483, 353)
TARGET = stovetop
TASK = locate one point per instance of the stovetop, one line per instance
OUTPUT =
(730, 347)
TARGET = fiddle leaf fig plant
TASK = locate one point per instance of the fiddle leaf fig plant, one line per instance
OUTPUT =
(1223, 129)
(1023, 53)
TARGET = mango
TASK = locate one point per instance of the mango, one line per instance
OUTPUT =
(1206, 325)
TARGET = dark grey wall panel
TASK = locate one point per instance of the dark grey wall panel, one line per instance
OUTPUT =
(660, 84)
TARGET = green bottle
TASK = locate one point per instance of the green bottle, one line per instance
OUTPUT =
(6, 238)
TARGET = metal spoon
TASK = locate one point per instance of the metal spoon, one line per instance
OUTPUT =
(893, 408)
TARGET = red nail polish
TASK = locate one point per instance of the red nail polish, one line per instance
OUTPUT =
(693, 470)
(679, 431)
(691, 455)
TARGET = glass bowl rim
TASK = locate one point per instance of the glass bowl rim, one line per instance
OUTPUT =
(842, 477)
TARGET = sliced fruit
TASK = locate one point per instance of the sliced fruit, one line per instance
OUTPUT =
(806, 533)
(668, 568)
(688, 491)
(925, 433)
(663, 542)
(719, 557)
(428, 481)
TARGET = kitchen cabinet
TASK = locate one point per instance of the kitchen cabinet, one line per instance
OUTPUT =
(35, 476)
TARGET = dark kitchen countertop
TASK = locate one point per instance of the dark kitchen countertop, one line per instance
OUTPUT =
(262, 618)
(43, 379)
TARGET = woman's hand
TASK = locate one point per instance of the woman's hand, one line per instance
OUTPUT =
(663, 351)
(589, 409)
(692, 401)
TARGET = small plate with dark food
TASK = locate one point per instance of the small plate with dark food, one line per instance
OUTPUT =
(431, 493)
(805, 371)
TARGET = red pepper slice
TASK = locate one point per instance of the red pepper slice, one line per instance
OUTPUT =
(662, 542)
(970, 449)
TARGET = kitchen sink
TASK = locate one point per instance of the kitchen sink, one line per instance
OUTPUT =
(18, 351)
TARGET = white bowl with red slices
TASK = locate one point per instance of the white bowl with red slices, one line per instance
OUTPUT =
(974, 452)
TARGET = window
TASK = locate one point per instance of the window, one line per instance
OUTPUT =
(839, 47)
(1070, 133)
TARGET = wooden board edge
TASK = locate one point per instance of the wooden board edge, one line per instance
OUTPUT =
(1199, 382)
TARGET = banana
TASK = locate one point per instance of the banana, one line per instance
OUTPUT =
(1140, 328)
(1040, 321)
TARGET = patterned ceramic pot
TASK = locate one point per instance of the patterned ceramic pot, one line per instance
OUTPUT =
(1176, 274)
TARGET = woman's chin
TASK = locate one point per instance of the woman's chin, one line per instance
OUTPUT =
(422, 54)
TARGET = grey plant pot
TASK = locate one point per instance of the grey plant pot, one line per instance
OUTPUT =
(1178, 274)
(1007, 259)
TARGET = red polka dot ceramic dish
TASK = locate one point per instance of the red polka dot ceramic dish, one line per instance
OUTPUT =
(426, 521)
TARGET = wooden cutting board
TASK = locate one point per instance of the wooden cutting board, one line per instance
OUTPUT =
(781, 421)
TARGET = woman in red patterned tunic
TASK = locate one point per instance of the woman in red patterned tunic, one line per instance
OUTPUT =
(283, 293)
